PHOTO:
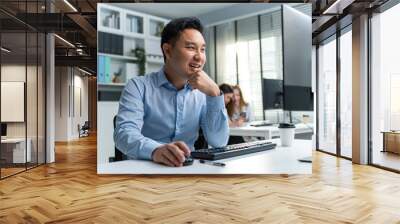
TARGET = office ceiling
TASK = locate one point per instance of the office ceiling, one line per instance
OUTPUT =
(332, 15)
(174, 10)
(79, 27)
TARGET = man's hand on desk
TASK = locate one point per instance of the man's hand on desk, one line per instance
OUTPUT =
(172, 154)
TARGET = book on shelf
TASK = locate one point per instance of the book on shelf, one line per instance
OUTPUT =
(111, 43)
(132, 24)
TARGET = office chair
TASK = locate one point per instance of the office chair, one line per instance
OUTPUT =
(83, 130)
(118, 154)
(201, 142)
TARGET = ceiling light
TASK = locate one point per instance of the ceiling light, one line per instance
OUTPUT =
(338, 6)
(5, 50)
(86, 72)
(65, 41)
(70, 5)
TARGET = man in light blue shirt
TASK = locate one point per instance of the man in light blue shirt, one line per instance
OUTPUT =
(160, 113)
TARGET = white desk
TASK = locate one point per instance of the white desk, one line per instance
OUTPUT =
(281, 160)
(268, 132)
(18, 149)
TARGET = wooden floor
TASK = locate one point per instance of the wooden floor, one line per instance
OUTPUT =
(70, 191)
(386, 159)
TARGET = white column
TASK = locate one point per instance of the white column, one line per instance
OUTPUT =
(50, 100)
(360, 90)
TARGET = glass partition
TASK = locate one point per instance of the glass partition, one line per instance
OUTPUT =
(22, 77)
(385, 89)
(249, 68)
(14, 153)
(271, 51)
(226, 54)
(327, 96)
(346, 93)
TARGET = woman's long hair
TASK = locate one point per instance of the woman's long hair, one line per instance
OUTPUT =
(242, 103)
(226, 88)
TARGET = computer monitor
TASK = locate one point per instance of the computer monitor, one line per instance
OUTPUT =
(3, 129)
(272, 94)
(298, 98)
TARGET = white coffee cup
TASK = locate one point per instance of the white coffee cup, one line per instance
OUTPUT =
(286, 132)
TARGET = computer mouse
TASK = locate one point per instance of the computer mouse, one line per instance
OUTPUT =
(188, 161)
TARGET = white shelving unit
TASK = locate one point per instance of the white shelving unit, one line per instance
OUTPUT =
(138, 30)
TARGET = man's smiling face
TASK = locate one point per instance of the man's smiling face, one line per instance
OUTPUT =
(187, 55)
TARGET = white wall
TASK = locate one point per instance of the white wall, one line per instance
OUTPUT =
(71, 87)
(12, 73)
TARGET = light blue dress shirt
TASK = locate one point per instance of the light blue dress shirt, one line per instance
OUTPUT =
(152, 112)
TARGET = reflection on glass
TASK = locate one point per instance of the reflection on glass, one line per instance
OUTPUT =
(271, 45)
(226, 53)
(271, 51)
(346, 94)
(327, 96)
(385, 87)
(248, 50)
(209, 67)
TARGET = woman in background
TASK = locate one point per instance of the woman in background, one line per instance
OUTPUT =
(227, 90)
(239, 111)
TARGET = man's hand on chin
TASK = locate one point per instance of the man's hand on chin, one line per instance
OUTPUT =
(201, 81)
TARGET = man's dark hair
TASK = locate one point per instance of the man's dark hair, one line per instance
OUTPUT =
(226, 88)
(173, 29)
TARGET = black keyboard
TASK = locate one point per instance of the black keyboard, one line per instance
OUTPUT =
(232, 150)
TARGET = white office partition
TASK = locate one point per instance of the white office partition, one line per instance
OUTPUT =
(12, 101)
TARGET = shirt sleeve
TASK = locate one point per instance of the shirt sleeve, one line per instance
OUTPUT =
(129, 122)
(214, 121)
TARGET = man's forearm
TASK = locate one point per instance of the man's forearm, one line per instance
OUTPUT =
(135, 145)
(216, 126)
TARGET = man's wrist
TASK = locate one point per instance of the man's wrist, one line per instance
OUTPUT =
(215, 92)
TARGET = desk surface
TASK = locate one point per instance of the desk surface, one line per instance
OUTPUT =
(13, 140)
(266, 131)
(281, 160)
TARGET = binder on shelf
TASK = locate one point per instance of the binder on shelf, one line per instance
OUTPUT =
(134, 24)
(107, 70)
(100, 68)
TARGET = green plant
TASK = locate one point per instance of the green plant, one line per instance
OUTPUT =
(140, 54)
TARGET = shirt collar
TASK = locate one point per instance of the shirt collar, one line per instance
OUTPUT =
(162, 80)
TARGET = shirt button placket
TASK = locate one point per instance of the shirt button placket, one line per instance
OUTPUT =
(179, 112)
